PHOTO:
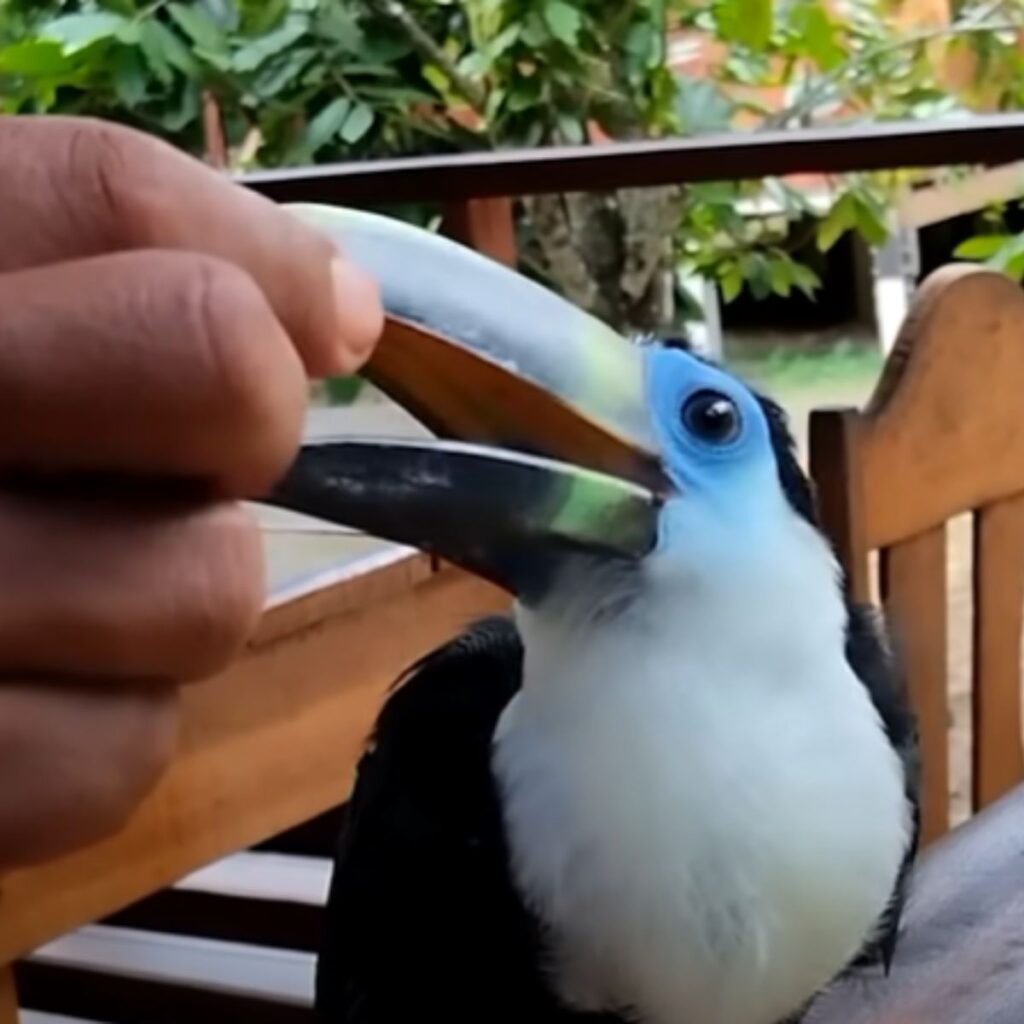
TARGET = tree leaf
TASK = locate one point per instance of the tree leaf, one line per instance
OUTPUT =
(128, 74)
(571, 128)
(187, 110)
(252, 55)
(1015, 267)
(164, 50)
(534, 33)
(981, 247)
(198, 26)
(1008, 256)
(260, 16)
(437, 78)
(475, 64)
(840, 219)
(501, 43)
(77, 31)
(563, 20)
(151, 42)
(745, 21)
(643, 43)
(358, 123)
(223, 13)
(130, 33)
(381, 46)
(780, 275)
(282, 72)
(34, 58)
(817, 33)
(495, 98)
(805, 279)
(327, 123)
(754, 268)
(702, 107)
(869, 219)
(398, 95)
(525, 94)
(731, 281)
(220, 59)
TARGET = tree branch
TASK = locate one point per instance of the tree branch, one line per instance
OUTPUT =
(475, 95)
(828, 87)
(214, 143)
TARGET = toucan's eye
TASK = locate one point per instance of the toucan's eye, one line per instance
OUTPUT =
(711, 416)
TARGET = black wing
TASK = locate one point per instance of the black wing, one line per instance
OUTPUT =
(422, 916)
(872, 659)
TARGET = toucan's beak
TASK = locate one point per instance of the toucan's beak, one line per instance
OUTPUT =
(546, 443)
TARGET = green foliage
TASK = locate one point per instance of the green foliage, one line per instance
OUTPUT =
(298, 81)
(1001, 252)
(856, 65)
(293, 80)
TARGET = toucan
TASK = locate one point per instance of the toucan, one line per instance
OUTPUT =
(678, 785)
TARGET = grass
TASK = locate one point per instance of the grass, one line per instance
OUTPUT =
(803, 377)
(786, 369)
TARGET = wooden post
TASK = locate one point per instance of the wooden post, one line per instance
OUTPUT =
(836, 472)
(8, 996)
(486, 225)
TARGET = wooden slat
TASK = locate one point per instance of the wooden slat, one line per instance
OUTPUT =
(914, 591)
(8, 997)
(254, 972)
(203, 915)
(80, 993)
(835, 471)
(143, 977)
(263, 899)
(487, 225)
(943, 433)
(39, 1017)
(744, 156)
(948, 199)
(998, 760)
(271, 742)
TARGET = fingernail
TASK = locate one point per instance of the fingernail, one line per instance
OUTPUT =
(359, 314)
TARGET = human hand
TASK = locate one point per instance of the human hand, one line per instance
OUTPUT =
(158, 325)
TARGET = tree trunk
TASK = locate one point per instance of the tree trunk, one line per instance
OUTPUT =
(610, 253)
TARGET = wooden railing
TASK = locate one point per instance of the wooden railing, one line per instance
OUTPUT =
(737, 156)
(476, 188)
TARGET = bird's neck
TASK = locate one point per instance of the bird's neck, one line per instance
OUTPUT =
(778, 605)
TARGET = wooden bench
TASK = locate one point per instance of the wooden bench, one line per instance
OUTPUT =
(942, 437)
(269, 746)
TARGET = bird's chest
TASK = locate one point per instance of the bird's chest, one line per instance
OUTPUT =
(703, 850)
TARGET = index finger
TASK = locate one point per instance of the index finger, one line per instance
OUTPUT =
(72, 188)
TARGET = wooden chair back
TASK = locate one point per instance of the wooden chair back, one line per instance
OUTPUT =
(942, 436)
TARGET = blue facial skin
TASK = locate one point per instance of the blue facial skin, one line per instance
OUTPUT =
(729, 497)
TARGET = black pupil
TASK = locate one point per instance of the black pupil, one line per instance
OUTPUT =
(711, 416)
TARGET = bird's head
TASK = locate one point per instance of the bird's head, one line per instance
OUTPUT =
(559, 442)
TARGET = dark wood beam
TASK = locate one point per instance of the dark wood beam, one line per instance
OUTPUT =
(987, 140)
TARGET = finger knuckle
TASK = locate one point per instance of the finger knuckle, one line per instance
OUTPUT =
(116, 169)
(221, 590)
(258, 391)
(136, 756)
(86, 759)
